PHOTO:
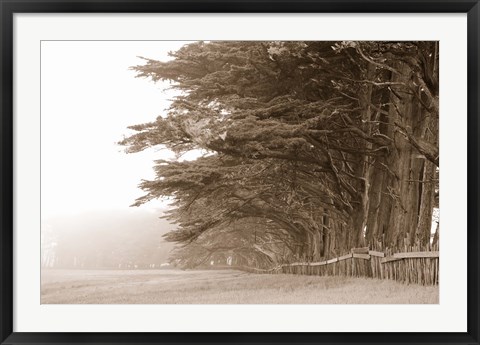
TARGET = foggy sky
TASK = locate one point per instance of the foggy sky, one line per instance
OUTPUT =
(89, 97)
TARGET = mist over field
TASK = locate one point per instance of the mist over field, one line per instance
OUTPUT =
(106, 239)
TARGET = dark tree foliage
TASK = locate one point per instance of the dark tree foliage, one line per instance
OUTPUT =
(314, 148)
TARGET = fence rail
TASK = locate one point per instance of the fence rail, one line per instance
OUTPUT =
(419, 267)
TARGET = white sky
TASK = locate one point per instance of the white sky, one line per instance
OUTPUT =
(89, 97)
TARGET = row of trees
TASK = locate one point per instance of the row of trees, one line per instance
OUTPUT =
(312, 148)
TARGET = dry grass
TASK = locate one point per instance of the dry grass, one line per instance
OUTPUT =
(224, 287)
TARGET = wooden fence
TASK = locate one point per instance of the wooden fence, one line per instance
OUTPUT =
(417, 267)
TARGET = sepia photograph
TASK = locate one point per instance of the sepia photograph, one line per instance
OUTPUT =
(240, 172)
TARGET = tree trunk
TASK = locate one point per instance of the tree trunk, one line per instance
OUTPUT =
(403, 162)
(364, 167)
(326, 236)
(424, 227)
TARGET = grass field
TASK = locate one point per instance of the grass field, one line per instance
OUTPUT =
(225, 287)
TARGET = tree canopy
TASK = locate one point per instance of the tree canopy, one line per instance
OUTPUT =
(312, 147)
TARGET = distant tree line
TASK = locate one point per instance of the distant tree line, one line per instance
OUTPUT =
(312, 148)
(105, 240)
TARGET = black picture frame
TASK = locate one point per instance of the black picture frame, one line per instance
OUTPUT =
(10, 7)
